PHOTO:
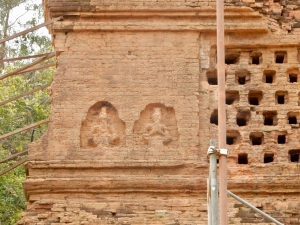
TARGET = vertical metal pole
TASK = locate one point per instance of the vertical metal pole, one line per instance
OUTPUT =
(221, 112)
(208, 202)
(214, 189)
(213, 185)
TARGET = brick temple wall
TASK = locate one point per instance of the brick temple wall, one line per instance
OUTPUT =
(176, 210)
(134, 105)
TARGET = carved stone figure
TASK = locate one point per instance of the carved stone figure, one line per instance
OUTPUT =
(156, 133)
(102, 127)
(103, 132)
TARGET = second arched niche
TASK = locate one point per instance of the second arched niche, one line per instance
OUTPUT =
(102, 127)
(157, 126)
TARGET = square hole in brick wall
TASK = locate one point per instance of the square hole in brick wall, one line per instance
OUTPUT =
(254, 97)
(242, 158)
(242, 77)
(268, 157)
(232, 137)
(281, 139)
(232, 97)
(214, 117)
(212, 77)
(293, 78)
(232, 58)
(281, 57)
(270, 118)
(255, 58)
(269, 76)
(294, 155)
(292, 120)
(256, 138)
(292, 117)
(243, 117)
(281, 97)
(293, 75)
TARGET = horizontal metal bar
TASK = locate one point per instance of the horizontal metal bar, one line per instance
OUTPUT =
(24, 57)
(17, 71)
(18, 163)
(24, 94)
(24, 128)
(14, 156)
(31, 29)
(37, 68)
(254, 208)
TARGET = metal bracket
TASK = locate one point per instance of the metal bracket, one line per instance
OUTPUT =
(218, 152)
(223, 151)
(213, 150)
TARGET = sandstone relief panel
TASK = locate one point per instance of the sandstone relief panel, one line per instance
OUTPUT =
(102, 127)
(156, 127)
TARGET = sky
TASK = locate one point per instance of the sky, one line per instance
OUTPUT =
(18, 11)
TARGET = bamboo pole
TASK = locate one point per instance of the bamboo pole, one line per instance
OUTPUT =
(24, 57)
(24, 128)
(14, 156)
(50, 55)
(30, 29)
(221, 113)
(13, 166)
(24, 94)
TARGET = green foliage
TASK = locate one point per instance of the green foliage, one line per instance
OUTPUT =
(11, 22)
(12, 199)
(26, 110)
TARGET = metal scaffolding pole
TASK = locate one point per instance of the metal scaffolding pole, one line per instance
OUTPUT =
(254, 208)
(213, 209)
(221, 114)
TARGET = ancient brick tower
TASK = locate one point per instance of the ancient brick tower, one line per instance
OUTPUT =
(134, 105)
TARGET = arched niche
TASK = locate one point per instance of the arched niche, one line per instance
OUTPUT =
(157, 126)
(102, 127)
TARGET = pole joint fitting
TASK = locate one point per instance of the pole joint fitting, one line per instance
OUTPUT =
(223, 151)
(218, 152)
(211, 150)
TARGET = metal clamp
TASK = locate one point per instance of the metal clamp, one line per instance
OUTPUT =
(213, 150)
(218, 152)
(223, 151)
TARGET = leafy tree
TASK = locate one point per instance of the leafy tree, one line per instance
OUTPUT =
(17, 15)
(26, 110)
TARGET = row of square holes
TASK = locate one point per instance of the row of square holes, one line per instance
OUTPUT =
(243, 117)
(256, 138)
(254, 97)
(256, 58)
(269, 157)
(243, 76)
